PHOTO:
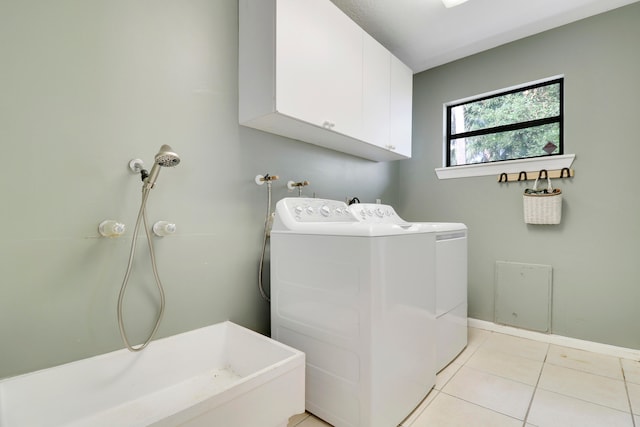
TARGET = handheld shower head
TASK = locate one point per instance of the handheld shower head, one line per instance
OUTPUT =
(166, 157)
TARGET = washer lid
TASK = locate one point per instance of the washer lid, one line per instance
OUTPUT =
(374, 213)
(297, 215)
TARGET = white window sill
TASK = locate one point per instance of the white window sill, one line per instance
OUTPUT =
(508, 166)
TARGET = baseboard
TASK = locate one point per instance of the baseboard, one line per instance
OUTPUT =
(611, 350)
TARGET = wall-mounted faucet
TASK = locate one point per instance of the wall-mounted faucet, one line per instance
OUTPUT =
(261, 179)
(291, 185)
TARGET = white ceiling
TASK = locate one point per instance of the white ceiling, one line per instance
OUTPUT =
(425, 34)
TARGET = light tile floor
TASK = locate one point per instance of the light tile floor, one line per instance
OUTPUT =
(500, 380)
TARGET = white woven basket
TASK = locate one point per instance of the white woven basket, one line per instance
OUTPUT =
(542, 206)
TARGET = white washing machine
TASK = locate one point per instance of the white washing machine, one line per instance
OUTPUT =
(357, 298)
(451, 277)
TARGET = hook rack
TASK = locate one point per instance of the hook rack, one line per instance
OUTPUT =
(530, 175)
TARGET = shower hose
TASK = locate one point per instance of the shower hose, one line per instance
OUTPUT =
(264, 243)
(142, 216)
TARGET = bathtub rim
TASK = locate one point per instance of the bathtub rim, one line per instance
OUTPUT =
(294, 359)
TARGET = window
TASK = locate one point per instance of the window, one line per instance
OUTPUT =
(517, 123)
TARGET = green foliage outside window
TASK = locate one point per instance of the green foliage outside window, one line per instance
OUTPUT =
(518, 124)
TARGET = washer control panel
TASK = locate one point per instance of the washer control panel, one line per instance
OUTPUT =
(317, 210)
(375, 213)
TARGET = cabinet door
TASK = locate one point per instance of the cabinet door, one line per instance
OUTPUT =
(401, 107)
(319, 65)
(376, 82)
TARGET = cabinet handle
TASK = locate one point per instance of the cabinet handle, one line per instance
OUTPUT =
(390, 147)
(328, 125)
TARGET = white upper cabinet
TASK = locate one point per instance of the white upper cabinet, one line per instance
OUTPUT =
(306, 71)
(376, 83)
(401, 107)
(387, 99)
(318, 72)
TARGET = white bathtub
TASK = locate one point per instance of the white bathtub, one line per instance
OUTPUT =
(221, 375)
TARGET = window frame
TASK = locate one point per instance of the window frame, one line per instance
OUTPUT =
(551, 161)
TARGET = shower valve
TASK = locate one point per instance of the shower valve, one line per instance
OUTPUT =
(111, 228)
(164, 228)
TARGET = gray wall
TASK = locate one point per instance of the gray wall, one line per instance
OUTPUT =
(594, 252)
(85, 86)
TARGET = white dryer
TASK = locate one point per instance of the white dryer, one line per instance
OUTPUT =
(451, 276)
(357, 298)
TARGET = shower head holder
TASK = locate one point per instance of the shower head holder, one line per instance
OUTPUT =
(136, 166)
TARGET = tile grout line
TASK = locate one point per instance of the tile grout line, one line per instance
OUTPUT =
(447, 382)
(464, 365)
(480, 406)
(405, 420)
(302, 420)
(583, 400)
(535, 388)
(626, 388)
